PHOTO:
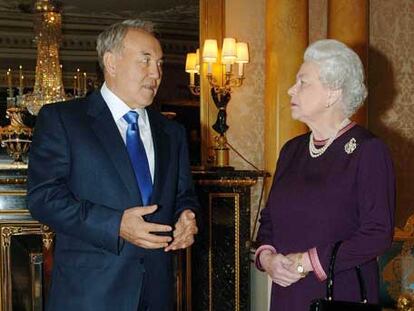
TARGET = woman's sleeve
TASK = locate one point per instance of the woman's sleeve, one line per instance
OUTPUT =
(376, 205)
(265, 234)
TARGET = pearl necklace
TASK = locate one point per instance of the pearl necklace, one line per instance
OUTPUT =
(316, 152)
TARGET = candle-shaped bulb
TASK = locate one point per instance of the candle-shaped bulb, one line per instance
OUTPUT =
(75, 78)
(209, 68)
(20, 80)
(191, 78)
(84, 84)
(9, 82)
(78, 80)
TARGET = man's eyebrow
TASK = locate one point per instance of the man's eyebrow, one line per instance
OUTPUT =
(143, 53)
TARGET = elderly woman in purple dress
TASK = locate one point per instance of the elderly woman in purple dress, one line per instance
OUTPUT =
(335, 183)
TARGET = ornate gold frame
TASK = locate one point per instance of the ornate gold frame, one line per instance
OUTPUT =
(7, 230)
(227, 182)
(184, 264)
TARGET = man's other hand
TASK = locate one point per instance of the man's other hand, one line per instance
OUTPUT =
(141, 233)
(185, 229)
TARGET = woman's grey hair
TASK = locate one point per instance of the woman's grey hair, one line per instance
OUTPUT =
(339, 68)
(110, 40)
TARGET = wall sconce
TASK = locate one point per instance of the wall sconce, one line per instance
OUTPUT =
(232, 53)
(192, 66)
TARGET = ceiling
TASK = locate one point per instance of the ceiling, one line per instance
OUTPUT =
(174, 10)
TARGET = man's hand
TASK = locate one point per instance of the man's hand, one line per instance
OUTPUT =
(184, 232)
(139, 232)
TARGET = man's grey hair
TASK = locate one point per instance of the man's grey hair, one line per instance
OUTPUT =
(339, 68)
(110, 40)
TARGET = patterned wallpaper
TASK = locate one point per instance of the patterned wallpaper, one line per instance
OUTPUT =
(390, 85)
(318, 19)
(246, 22)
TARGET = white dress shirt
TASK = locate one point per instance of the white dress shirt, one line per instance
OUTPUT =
(119, 109)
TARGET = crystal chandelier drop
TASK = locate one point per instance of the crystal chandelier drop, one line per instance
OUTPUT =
(48, 87)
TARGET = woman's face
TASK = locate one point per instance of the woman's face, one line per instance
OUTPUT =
(309, 97)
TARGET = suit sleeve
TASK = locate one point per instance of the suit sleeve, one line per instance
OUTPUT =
(49, 197)
(376, 205)
(186, 197)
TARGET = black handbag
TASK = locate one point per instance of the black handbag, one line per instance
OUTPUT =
(329, 304)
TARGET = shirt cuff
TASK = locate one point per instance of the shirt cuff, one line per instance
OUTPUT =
(259, 251)
(316, 264)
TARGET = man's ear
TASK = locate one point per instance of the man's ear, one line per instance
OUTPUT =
(334, 96)
(109, 60)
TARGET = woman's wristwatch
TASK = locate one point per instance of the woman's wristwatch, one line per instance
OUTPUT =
(299, 266)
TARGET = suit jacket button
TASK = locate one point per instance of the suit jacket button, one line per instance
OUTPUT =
(141, 261)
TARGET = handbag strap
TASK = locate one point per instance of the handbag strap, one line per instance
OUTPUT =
(331, 277)
(362, 288)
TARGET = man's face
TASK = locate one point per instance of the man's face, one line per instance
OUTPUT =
(134, 73)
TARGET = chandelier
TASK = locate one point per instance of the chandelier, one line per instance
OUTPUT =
(48, 87)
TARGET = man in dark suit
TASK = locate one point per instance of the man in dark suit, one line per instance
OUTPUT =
(112, 179)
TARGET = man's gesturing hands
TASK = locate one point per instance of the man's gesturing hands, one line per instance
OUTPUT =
(143, 234)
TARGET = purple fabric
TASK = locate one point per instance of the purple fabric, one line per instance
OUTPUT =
(315, 202)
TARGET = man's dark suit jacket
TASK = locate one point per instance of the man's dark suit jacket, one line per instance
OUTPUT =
(80, 182)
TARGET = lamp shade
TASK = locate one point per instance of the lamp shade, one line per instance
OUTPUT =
(190, 62)
(210, 51)
(242, 53)
(197, 65)
(228, 54)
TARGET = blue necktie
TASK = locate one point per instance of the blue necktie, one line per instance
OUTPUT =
(138, 157)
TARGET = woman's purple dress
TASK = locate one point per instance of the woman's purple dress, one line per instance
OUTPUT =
(314, 202)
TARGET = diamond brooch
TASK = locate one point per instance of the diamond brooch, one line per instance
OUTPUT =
(350, 146)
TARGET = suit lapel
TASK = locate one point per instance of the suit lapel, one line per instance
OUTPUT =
(161, 154)
(106, 130)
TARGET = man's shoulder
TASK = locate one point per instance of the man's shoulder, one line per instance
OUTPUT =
(70, 105)
(162, 120)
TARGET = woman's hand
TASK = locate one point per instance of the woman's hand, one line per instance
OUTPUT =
(280, 268)
(300, 259)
